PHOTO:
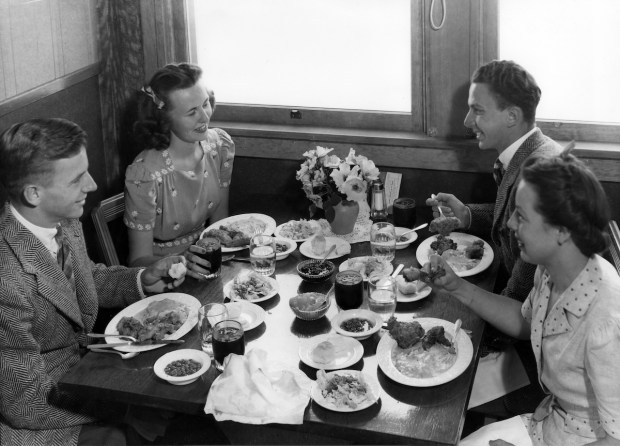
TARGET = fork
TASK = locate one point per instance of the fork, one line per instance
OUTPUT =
(123, 337)
(434, 197)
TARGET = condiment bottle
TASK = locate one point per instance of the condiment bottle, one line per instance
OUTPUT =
(378, 208)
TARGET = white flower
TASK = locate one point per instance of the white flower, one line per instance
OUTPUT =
(322, 151)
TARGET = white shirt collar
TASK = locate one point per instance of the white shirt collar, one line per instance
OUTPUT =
(46, 235)
(506, 156)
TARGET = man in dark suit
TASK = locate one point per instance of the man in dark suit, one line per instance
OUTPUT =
(502, 113)
(50, 290)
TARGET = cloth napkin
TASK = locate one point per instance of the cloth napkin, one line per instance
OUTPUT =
(511, 430)
(254, 390)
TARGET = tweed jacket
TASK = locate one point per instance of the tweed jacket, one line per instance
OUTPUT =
(43, 324)
(494, 217)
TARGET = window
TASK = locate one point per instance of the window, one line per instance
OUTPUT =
(569, 47)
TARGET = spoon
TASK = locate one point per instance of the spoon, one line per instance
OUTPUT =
(402, 237)
(397, 270)
(124, 337)
(457, 327)
(121, 354)
(434, 197)
(327, 255)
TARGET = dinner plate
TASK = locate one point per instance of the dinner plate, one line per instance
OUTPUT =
(385, 269)
(462, 240)
(464, 356)
(419, 295)
(269, 228)
(192, 318)
(248, 314)
(342, 248)
(279, 228)
(349, 351)
(373, 392)
(274, 285)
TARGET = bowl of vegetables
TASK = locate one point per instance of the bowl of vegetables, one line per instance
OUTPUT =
(313, 270)
(181, 367)
(284, 246)
(359, 324)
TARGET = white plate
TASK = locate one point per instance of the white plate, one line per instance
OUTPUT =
(248, 314)
(462, 241)
(292, 246)
(373, 391)
(463, 359)
(386, 269)
(270, 222)
(186, 353)
(274, 285)
(192, 318)
(315, 225)
(342, 248)
(411, 237)
(350, 351)
(419, 295)
(358, 313)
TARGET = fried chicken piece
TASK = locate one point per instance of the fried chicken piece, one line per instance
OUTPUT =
(221, 235)
(406, 334)
(435, 335)
(444, 225)
(476, 250)
(442, 244)
(411, 273)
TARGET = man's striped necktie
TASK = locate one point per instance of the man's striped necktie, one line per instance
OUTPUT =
(64, 257)
(498, 171)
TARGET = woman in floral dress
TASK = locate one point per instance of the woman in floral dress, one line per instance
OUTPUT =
(181, 178)
(572, 314)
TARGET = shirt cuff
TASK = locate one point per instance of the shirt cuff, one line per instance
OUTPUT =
(139, 279)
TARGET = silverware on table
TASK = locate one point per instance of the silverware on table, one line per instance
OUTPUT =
(121, 354)
(103, 335)
(139, 343)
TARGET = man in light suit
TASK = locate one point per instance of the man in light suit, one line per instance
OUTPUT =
(46, 309)
(502, 102)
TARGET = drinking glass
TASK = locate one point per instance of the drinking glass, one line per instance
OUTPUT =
(404, 214)
(382, 296)
(228, 337)
(263, 254)
(383, 241)
(349, 290)
(213, 255)
(208, 316)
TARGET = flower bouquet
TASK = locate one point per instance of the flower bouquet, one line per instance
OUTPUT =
(331, 183)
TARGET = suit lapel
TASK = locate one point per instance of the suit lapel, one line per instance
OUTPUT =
(52, 283)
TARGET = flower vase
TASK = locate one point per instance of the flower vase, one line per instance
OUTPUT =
(342, 217)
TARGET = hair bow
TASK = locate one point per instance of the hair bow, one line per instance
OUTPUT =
(149, 92)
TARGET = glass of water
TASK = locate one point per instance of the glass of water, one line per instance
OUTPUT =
(383, 241)
(263, 254)
(382, 296)
(208, 316)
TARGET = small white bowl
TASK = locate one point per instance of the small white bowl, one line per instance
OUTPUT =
(411, 237)
(360, 313)
(197, 355)
(292, 246)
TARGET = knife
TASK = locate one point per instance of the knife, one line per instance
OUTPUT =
(139, 343)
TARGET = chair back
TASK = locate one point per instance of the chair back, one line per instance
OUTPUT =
(108, 219)
(614, 246)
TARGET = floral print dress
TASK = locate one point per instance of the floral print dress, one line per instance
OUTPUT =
(172, 203)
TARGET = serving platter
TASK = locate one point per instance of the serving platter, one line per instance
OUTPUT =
(316, 228)
(349, 351)
(373, 392)
(132, 310)
(465, 353)
(462, 240)
(270, 226)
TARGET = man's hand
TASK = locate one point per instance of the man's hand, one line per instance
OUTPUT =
(451, 207)
(156, 278)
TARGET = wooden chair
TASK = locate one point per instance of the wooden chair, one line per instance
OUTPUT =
(107, 217)
(614, 246)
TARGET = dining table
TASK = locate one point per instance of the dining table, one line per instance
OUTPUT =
(403, 414)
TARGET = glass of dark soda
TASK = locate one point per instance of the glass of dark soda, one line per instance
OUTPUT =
(213, 255)
(349, 290)
(228, 337)
(403, 210)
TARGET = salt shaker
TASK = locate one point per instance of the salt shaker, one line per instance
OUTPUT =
(378, 208)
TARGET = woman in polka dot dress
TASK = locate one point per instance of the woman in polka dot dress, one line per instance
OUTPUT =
(572, 314)
(181, 178)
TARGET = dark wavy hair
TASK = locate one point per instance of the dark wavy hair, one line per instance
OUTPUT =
(511, 85)
(570, 195)
(151, 128)
(28, 149)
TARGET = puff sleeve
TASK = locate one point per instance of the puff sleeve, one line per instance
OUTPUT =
(602, 359)
(225, 147)
(140, 197)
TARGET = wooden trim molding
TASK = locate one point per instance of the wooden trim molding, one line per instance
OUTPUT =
(40, 92)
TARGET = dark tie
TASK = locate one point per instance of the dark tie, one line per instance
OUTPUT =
(64, 257)
(498, 171)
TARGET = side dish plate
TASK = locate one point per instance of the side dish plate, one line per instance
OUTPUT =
(274, 290)
(349, 351)
(373, 393)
